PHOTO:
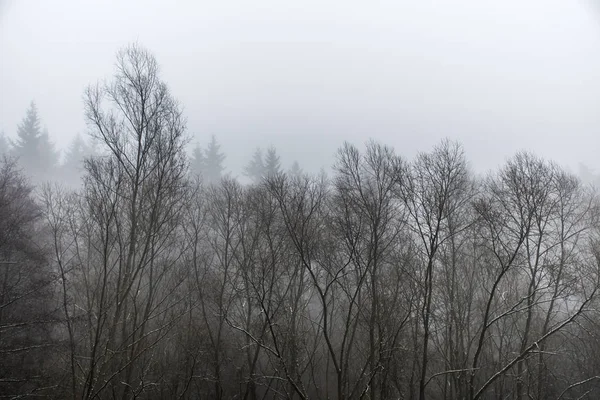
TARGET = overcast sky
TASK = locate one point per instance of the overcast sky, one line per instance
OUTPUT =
(304, 76)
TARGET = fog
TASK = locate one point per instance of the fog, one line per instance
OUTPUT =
(306, 76)
(451, 249)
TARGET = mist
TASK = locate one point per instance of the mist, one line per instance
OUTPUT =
(316, 200)
(498, 77)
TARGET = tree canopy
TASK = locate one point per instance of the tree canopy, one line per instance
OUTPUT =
(395, 277)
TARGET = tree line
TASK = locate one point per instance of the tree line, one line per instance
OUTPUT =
(40, 161)
(392, 278)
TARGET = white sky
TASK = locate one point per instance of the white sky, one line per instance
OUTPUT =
(304, 76)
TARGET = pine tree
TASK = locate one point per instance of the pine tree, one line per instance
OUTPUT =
(33, 148)
(48, 155)
(77, 152)
(3, 144)
(213, 161)
(255, 169)
(295, 170)
(272, 163)
(28, 142)
(197, 161)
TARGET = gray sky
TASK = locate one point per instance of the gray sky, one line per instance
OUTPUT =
(304, 76)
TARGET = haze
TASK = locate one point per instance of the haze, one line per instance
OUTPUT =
(306, 76)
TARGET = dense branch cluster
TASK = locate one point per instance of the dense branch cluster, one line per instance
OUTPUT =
(392, 278)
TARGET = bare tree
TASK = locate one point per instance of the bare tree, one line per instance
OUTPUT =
(389, 280)
(534, 217)
(127, 247)
(217, 277)
(372, 222)
(434, 189)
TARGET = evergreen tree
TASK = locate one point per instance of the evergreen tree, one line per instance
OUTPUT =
(272, 164)
(295, 170)
(48, 155)
(3, 144)
(33, 147)
(255, 169)
(29, 134)
(197, 161)
(213, 161)
(77, 152)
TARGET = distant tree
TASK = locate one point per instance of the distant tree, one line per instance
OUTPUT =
(272, 163)
(255, 169)
(78, 151)
(588, 175)
(197, 160)
(49, 156)
(3, 144)
(213, 161)
(29, 133)
(295, 170)
(33, 147)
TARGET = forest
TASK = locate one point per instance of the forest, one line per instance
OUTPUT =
(158, 276)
